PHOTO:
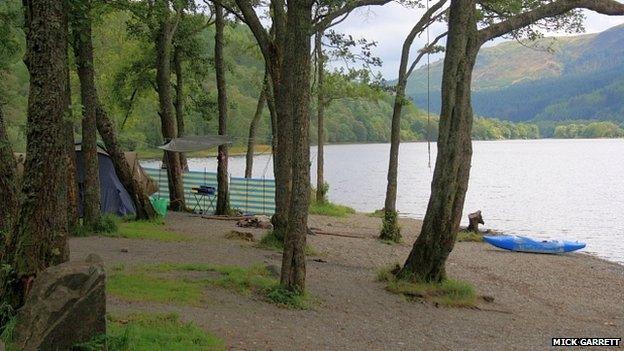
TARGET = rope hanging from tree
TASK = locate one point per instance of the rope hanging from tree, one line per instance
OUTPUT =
(428, 96)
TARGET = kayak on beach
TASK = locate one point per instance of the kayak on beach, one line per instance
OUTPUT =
(525, 244)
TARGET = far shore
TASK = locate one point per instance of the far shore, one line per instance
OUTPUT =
(262, 149)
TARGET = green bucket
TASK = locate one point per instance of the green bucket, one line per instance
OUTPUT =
(160, 205)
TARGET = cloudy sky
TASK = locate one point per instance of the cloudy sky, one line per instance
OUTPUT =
(388, 25)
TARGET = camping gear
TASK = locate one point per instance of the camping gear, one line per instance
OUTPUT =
(195, 143)
(202, 193)
(525, 244)
(160, 205)
(113, 196)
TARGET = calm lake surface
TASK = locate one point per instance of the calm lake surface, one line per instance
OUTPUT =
(572, 189)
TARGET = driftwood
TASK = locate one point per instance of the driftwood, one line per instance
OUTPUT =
(474, 220)
(224, 218)
(322, 232)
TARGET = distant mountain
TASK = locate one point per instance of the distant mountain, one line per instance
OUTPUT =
(563, 78)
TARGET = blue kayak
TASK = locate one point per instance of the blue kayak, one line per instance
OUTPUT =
(524, 244)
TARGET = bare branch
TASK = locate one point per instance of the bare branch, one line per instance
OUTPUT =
(558, 7)
(252, 20)
(326, 21)
(423, 23)
(422, 53)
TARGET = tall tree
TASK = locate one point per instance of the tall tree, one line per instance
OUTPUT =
(390, 229)
(71, 174)
(40, 236)
(11, 49)
(8, 181)
(320, 116)
(223, 196)
(83, 50)
(426, 261)
(297, 74)
(179, 99)
(340, 84)
(286, 50)
(167, 23)
(253, 126)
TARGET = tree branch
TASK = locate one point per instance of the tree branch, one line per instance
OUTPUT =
(252, 20)
(423, 23)
(423, 52)
(558, 7)
(326, 21)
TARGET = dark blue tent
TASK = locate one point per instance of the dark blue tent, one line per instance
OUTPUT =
(113, 196)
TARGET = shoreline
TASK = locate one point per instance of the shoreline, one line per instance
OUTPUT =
(536, 297)
(153, 154)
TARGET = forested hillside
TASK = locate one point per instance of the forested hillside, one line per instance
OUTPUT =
(126, 85)
(561, 79)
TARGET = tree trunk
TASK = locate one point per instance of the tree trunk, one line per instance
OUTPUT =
(179, 100)
(253, 127)
(282, 160)
(8, 182)
(320, 116)
(73, 217)
(144, 208)
(223, 202)
(168, 126)
(299, 22)
(83, 50)
(474, 219)
(427, 259)
(40, 236)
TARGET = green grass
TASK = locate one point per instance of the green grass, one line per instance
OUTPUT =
(465, 236)
(330, 209)
(449, 293)
(271, 242)
(158, 332)
(150, 283)
(143, 287)
(107, 224)
(145, 230)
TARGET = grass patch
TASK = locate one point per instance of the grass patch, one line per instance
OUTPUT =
(152, 230)
(143, 287)
(147, 283)
(449, 293)
(330, 209)
(282, 297)
(107, 224)
(466, 236)
(271, 242)
(155, 332)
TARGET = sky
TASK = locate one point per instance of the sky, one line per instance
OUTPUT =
(388, 25)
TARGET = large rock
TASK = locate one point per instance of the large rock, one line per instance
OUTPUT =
(66, 306)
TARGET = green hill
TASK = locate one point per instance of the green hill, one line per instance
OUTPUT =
(566, 78)
(118, 55)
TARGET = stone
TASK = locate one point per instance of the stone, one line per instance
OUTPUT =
(66, 306)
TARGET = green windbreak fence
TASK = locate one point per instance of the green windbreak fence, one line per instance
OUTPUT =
(249, 195)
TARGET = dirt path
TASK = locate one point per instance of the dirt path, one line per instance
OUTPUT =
(536, 296)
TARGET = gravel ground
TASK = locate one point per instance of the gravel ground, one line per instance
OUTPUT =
(537, 297)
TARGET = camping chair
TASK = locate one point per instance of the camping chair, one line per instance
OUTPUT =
(202, 193)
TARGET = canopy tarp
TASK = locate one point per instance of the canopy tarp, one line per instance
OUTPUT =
(195, 143)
